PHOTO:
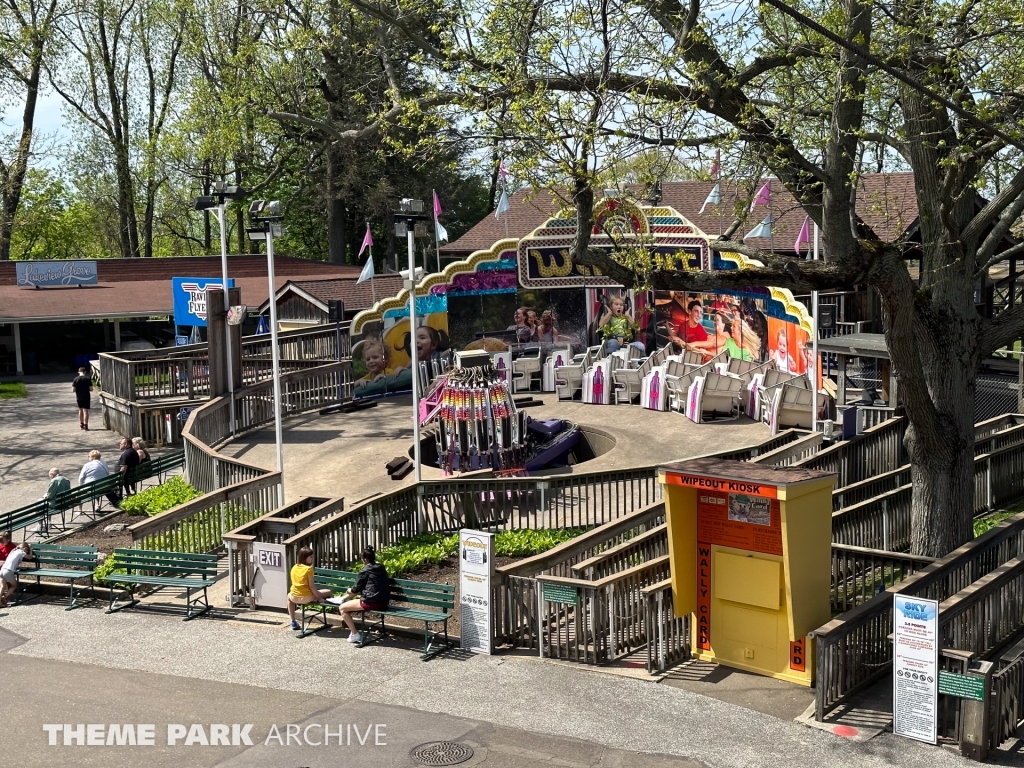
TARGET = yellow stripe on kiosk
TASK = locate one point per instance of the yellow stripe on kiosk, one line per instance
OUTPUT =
(750, 553)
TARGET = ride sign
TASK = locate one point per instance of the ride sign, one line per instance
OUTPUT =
(915, 667)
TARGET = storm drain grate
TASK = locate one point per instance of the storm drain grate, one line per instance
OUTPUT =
(441, 753)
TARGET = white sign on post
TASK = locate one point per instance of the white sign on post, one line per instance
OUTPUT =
(476, 567)
(915, 668)
(270, 584)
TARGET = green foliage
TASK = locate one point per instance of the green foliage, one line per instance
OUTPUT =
(419, 552)
(160, 498)
(10, 390)
(987, 523)
(105, 571)
(54, 221)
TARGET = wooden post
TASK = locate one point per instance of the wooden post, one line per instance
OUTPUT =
(216, 310)
(974, 715)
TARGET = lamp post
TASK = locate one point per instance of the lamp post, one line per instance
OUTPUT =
(410, 213)
(266, 218)
(219, 200)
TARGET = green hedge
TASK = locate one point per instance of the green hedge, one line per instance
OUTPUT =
(160, 498)
(428, 549)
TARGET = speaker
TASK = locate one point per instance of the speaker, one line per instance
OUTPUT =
(335, 310)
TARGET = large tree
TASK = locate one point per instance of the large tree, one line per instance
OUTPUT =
(26, 31)
(816, 94)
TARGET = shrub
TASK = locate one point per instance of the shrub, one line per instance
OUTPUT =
(105, 571)
(160, 498)
(419, 552)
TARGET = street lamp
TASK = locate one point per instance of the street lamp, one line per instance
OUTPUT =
(410, 218)
(222, 192)
(266, 219)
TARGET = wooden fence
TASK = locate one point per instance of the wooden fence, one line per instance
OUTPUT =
(668, 640)
(853, 649)
(877, 450)
(199, 525)
(1007, 697)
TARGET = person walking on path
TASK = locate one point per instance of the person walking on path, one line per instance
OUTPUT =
(126, 465)
(82, 387)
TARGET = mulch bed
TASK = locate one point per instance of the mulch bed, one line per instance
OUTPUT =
(95, 536)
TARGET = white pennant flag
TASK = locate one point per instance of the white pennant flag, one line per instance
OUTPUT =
(764, 229)
(714, 198)
(442, 233)
(367, 272)
(502, 205)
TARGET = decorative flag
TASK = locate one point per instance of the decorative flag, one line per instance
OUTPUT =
(804, 238)
(194, 337)
(442, 233)
(763, 197)
(502, 205)
(714, 198)
(367, 241)
(764, 229)
(262, 326)
(503, 172)
(437, 205)
(367, 273)
(716, 167)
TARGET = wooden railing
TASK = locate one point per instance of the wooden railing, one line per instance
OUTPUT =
(794, 452)
(983, 616)
(199, 525)
(603, 621)
(668, 640)
(878, 450)
(858, 574)
(853, 649)
(274, 527)
(1008, 698)
(637, 549)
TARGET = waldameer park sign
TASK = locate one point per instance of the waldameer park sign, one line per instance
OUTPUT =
(55, 274)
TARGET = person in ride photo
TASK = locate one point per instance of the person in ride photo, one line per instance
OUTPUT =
(82, 387)
(373, 585)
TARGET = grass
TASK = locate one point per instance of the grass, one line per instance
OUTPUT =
(989, 522)
(12, 390)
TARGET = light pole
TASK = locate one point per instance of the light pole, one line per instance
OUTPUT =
(266, 218)
(410, 212)
(219, 200)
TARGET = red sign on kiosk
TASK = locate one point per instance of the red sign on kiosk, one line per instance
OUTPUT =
(740, 520)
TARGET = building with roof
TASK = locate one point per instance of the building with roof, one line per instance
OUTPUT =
(55, 328)
(301, 303)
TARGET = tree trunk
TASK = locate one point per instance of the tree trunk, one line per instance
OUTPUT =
(15, 177)
(335, 210)
(943, 502)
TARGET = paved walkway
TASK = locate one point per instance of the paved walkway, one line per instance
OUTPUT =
(41, 431)
(344, 454)
(146, 669)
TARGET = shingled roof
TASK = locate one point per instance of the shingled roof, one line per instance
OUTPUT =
(885, 201)
(357, 296)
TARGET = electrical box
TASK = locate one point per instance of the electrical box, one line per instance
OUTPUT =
(750, 554)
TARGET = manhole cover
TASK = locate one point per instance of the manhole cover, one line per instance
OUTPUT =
(441, 753)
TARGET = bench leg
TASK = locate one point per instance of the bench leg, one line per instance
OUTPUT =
(307, 628)
(189, 602)
(370, 633)
(428, 641)
(131, 600)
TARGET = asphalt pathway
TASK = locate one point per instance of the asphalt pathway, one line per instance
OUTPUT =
(143, 667)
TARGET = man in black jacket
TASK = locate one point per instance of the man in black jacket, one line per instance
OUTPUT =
(126, 465)
(373, 585)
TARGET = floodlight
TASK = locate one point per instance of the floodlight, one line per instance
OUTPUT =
(205, 203)
(272, 208)
(408, 205)
(255, 207)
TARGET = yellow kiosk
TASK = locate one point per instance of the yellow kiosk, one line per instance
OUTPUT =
(750, 552)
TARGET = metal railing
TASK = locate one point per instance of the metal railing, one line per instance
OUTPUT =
(853, 649)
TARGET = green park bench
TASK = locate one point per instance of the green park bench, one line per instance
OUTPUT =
(51, 561)
(164, 569)
(25, 517)
(420, 601)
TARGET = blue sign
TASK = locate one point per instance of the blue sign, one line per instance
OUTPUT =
(181, 341)
(190, 298)
(49, 274)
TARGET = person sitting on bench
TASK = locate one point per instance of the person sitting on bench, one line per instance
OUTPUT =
(303, 589)
(374, 589)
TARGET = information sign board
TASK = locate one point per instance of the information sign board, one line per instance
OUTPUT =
(476, 568)
(915, 665)
(190, 298)
(52, 274)
(962, 686)
(560, 593)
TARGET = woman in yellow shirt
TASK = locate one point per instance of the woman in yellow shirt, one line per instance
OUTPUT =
(303, 589)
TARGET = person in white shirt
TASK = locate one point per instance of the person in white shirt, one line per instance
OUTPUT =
(94, 469)
(9, 572)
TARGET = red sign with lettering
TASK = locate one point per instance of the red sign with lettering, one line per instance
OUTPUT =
(703, 597)
(797, 659)
(741, 521)
(704, 483)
